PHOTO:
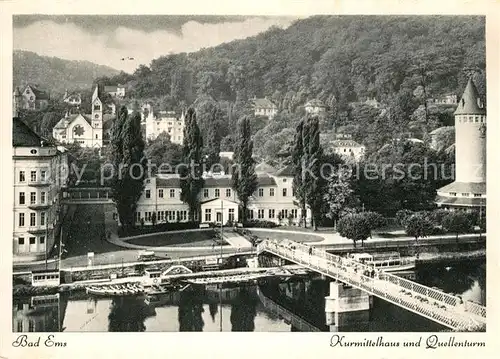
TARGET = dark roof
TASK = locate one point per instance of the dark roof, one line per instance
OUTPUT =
(285, 172)
(461, 201)
(471, 103)
(23, 136)
(39, 94)
(462, 187)
(171, 182)
(218, 199)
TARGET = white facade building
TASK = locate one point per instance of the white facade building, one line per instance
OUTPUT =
(87, 130)
(264, 107)
(344, 146)
(272, 201)
(167, 121)
(39, 175)
(315, 107)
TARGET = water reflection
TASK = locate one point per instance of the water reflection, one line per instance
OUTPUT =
(295, 305)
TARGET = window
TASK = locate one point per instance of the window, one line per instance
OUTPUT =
(32, 240)
(32, 219)
(205, 193)
(42, 240)
(250, 214)
(172, 193)
(271, 213)
(453, 193)
(148, 193)
(208, 215)
(21, 219)
(284, 179)
(261, 192)
(465, 195)
(160, 193)
(97, 107)
(217, 193)
(42, 197)
(22, 177)
(260, 214)
(42, 219)
(20, 240)
(271, 192)
(294, 213)
(228, 192)
(171, 216)
(33, 176)
(96, 136)
(21, 198)
(33, 198)
(43, 176)
(231, 215)
(477, 194)
(284, 192)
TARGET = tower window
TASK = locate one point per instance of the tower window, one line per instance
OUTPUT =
(97, 107)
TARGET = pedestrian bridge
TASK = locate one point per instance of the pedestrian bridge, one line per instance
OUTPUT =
(430, 303)
(87, 195)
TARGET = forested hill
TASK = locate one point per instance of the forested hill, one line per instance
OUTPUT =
(55, 74)
(333, 58)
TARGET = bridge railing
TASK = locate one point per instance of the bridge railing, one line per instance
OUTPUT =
(343, 268)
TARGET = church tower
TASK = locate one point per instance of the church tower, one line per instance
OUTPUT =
(469, 188)
(97, 113)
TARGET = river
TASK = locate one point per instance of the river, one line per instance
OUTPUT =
(295, 305)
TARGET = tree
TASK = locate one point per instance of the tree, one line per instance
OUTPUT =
(418, 226)
(339, 194)
(402, 216)
(354, 227)
(213, 141)
(163, 154)
(192, 172)
(374, 220)
(314, 183)
(244, 179)
(127, 152)
(297, 157)
(458, 222)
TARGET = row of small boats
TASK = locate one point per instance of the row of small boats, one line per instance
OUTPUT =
(116, 289)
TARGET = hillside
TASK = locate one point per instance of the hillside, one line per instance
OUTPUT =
(55, 74)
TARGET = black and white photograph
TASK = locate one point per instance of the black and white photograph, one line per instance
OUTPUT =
(249, 173)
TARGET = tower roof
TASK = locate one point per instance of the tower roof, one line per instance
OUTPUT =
(471, 103)
(96, 93)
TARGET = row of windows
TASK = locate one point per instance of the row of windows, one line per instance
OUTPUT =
(465, 194)
(33, 216)
(471, 119)
(22, 198)
(33, 176)
(163, 216)
(272, 213)
(228, 193)
(32, 240)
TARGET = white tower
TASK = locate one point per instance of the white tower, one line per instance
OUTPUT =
(97, 112)
(469, 188)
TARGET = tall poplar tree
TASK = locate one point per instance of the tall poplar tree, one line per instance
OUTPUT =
(244, 177)
(130, 165)
(297, 156)
(192, 171)
(314, 182)
(213, 139)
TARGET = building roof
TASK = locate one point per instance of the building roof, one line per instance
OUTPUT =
(442, 129)
(219, 199)
(462, 187)
(314, 103)
(263, 167)
(39, 94)
(263, 103)
(345, 143)
(461, 201)
(110, 88)
(61, 124)
(285, 172)
(23, 136)
(211, 182)
(471, 103)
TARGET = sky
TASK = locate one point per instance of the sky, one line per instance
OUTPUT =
(105, 40)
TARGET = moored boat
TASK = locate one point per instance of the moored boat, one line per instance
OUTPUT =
(387, 262)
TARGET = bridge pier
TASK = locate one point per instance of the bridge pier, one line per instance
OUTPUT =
(347, 308)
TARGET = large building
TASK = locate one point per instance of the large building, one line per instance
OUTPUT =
(87, 130)
(264, 107)
(169, 122)
(272, 201)
(469, 189)
(115, 91)
(344, 146)
(30, 98)
(315, 107)
(39, 174)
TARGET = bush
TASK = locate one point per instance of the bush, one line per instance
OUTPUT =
(261, 224)
(402, 216)
(437, 216)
